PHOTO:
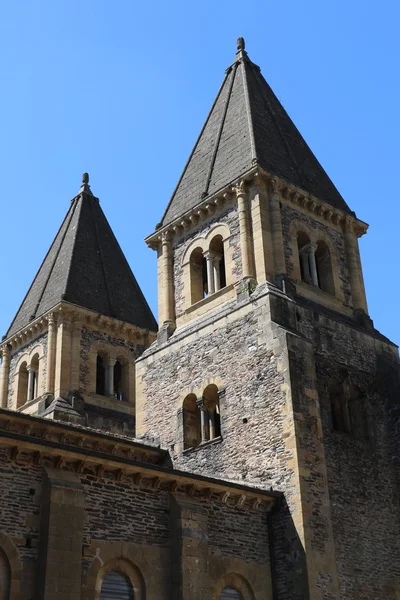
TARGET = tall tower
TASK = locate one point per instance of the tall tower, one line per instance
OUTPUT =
(70, 352)
(267, 368)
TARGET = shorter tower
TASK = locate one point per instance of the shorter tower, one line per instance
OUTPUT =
(70, 351)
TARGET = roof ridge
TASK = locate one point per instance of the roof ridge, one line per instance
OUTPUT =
(197, 142)
(234, 68)
(246, 60)
(39, 269)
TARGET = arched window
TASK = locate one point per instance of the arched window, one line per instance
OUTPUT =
(358, 423)
(324, 267)
(304, 249)
(5, 576)
(100, 376)
(212, 416)
(218, 260)
(229, 593)
(22, 386)
(116, 586)
(198, 276)
(191, 422)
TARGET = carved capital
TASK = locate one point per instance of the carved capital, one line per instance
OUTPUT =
(240, 188)
(276, 185)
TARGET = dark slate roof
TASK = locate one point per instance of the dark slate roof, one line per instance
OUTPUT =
(248, 126)
(85, 266)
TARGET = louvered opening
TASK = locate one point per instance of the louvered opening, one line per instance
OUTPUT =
(116, 586)
(230, 594)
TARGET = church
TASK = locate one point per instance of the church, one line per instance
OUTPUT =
(246, 446)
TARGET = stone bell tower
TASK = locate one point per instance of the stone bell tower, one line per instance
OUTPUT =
(267, 368)
(70, 351)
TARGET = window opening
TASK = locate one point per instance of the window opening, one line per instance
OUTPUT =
(229, 593)
(116, 586)
(118, 381)
(5, 576)
(324, 267)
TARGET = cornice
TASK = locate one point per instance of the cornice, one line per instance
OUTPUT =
(77, 449)
(287, 192)
(72, 316)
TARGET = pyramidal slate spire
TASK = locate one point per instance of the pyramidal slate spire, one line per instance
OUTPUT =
(85, 266)
(246, 127)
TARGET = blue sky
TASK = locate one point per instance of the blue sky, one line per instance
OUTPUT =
(121, 90)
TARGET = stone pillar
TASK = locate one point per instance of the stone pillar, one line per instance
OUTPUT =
(51, 354)
(245, 235)
(313, 264)
(209, 256)
(354, 267)
(62, 381)
(62, 519)
(4, 377)
(211, 423)
(30, 392)
(189, 550)
(262, 232)
(217, 272)
(110, 377)
(203, 419)
(168, 279)
(276, 226)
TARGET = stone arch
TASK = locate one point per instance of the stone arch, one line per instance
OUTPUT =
(12, 555)
(21, 381)
(237, 582)
(98, 570)
(318, 237)
(198, 280)
(124, 374)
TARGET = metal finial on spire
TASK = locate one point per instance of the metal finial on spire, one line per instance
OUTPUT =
(240, 44)
(85, 178)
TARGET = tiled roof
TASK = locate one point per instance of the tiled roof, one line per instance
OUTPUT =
(85, 266)
(248, 126)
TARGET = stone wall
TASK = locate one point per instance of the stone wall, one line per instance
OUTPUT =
(363, 474)
(56, 517)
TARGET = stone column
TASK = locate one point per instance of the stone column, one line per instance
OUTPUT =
(209, 256)
(313, 264)
(262, 232)
(211, 422)
(62, 381)
(168, 279)
(109, 384)
(354, 267)
(29, 394)
(217, 272)
(276, 226)
(4, 377)
(51, 354)
(203, 419)
(244, 227)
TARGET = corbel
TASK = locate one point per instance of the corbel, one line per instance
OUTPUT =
(224, 497)
(255, 503)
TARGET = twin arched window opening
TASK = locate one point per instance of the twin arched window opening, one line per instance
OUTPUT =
(111, 378)
(347, 409)
(315, 263)
(207, 270)
(28, 381)
(201, 417)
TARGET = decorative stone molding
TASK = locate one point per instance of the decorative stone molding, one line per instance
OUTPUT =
(116, 458)
(257, 175)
